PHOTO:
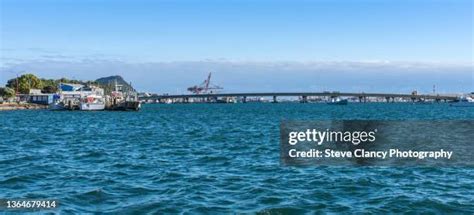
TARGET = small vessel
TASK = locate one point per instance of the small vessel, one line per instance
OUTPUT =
(125, 105)
(92, 102)
(123, 100)
(463, 102)
(338, 101)
(57, 105)
(60, 102)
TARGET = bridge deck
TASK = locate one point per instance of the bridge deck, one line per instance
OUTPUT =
(330, 94)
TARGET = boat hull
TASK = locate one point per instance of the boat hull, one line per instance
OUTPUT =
(55, 106)
(92, 106)
(64, 106)
(126, 106)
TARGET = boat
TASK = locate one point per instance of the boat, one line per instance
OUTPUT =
(463, 102)
(57, 105)
(125, 105)
(60, 102)
(337, 101)
(92, 103)
(123, 100)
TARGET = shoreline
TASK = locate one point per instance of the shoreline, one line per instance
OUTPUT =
(21, 106)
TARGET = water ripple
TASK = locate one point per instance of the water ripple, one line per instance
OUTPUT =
(201, 158)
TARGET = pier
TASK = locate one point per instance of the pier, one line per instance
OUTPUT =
(303, 96)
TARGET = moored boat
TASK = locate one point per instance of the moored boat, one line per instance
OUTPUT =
(126, 106)
(59, 105)
(123, 100)
(92, 103)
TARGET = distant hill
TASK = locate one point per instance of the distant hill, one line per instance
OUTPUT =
(111, 80)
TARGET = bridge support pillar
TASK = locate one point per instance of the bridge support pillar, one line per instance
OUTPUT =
(275, 99)
(304, 99)
(388, 99)
(413, 99)
(244, 99)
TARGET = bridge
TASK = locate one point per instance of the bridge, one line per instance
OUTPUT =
(302, 95)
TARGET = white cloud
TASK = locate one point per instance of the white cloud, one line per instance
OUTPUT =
(367, 76)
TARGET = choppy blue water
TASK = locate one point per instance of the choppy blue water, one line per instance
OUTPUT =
(219, 158)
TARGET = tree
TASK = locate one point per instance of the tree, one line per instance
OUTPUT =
(49, 89)
(2, 92)
(25, 83)
(49, 85)
(7, 92)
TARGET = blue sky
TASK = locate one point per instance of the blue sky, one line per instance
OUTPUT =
(42, 35)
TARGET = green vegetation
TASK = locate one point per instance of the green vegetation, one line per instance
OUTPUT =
(108, 83)
(7, 92)
(25, 83)
(30, 81)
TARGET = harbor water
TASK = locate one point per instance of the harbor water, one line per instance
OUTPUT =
(212, 158)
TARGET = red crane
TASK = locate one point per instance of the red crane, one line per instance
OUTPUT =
(205, 87)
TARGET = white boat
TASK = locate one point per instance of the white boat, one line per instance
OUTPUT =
(92, 102)
(463, 102)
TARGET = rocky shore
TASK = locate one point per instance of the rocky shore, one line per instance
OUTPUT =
(21, 106)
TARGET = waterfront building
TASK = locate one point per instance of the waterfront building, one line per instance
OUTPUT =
(70, 87)
(37, 97)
